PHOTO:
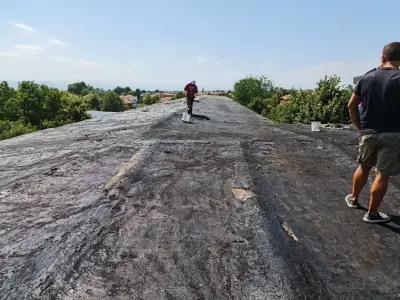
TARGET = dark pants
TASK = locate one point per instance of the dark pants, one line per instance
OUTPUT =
(189, 101)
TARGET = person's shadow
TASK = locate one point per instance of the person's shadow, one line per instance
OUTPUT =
(393, 225)
(201, 117)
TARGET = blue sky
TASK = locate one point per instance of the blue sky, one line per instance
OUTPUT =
(164, 44)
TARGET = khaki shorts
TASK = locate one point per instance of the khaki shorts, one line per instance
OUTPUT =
(381, 150)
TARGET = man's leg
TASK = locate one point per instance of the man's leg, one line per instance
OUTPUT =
(378, 191)
(189, 102)
(360, 178)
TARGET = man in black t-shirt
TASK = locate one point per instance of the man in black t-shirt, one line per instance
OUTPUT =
(378, 92)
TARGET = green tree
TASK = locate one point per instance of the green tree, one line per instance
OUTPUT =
(31, 107)
(79, 88)
(11, 109)
(30, 100)
(98, 91)
(8, 107)
(137, 93)
(123, 90)
(112, 102)
(257, 104)
(93, 101)
(74, 108)
(119, 90)
(252, 87)
(150, 99)
(51, 102)
(179, 95)
(127, 90)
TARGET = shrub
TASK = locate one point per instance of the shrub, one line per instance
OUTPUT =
(74, 109)
(150, 99)
(333, 98)
(179, 95)
(299, 109)
(54, 123)
(257, 104)
(10, 129)
(93, 101)
(326, 103)
(112, 102)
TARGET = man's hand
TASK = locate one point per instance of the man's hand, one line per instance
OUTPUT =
(353, 111)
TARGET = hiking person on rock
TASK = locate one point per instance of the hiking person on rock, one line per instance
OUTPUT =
(379, 126)
(190, 92)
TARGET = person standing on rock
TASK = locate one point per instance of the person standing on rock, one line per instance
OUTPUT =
(379, 126)
(190, 92)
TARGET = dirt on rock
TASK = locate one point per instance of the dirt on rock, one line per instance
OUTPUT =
(139, 205)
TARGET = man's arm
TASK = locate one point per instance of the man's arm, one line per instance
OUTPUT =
(353, 111)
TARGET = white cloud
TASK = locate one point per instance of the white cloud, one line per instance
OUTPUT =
(23, 27)
(32, 48)
(9, 54)
(218, 63)
(56, 42)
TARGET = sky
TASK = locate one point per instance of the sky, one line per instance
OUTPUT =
(163, 44)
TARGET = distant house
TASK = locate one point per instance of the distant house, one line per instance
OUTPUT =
(163, 97)
(166, 97)
(129, 100)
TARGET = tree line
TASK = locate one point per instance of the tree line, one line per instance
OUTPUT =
(326, 103)
(83, 89)
(31, 106)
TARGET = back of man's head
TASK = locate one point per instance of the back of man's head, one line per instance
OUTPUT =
(391, 52)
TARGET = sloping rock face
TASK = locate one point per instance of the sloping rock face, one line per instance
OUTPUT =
(139, 205)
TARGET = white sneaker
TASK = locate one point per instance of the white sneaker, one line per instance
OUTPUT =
(351, 201)
(380, 217)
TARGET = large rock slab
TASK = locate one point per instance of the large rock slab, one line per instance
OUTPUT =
(139, 205)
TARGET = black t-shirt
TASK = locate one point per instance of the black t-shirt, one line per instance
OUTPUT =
(379, 90)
